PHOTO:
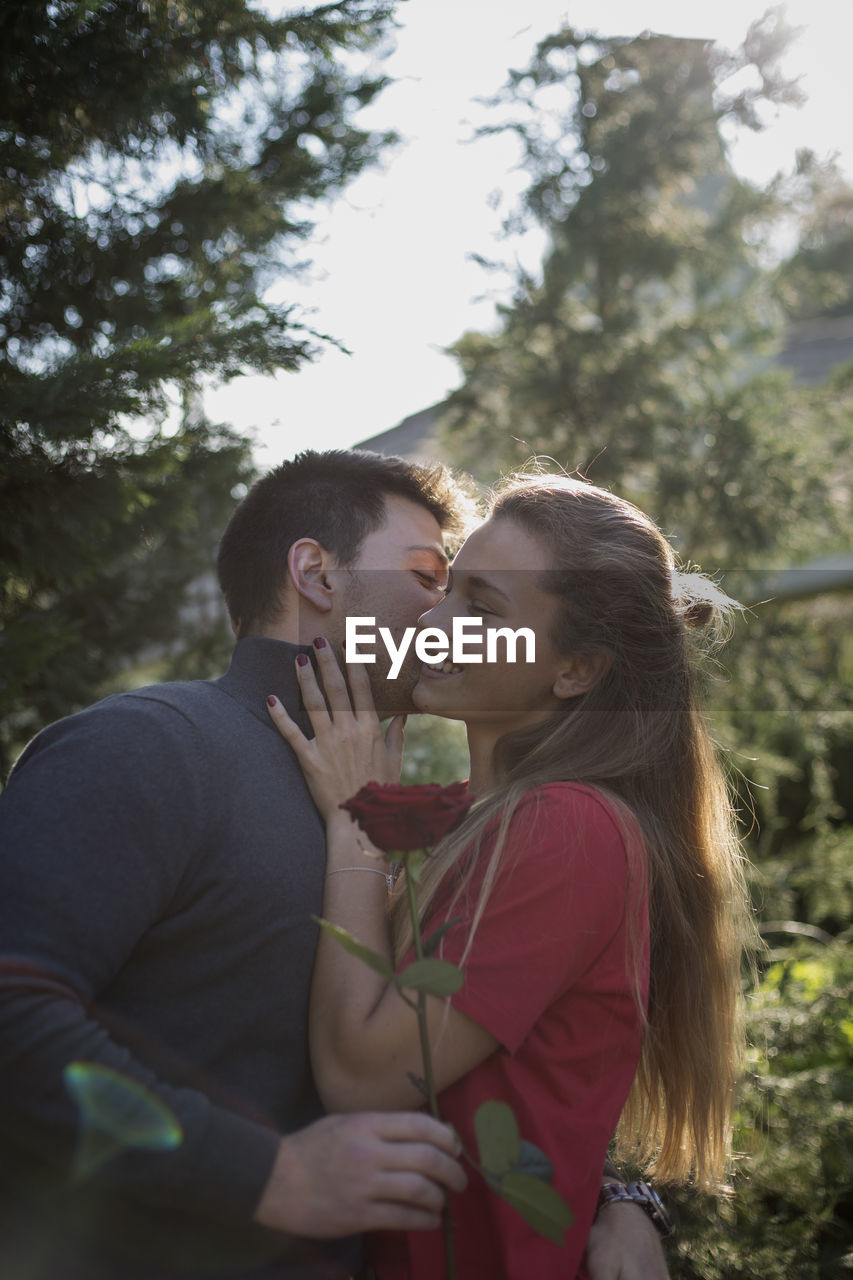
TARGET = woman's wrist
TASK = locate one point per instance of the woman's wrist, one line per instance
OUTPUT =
(346, 841)
(386, 875)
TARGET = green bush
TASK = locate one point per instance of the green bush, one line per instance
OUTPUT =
(790, 1214)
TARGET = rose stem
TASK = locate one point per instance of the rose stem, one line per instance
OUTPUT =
(446, 1224)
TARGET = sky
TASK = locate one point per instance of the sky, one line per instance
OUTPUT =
(392, 275)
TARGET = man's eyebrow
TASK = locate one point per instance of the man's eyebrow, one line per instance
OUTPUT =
(438, 552)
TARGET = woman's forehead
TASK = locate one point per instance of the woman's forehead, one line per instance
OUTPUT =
(502, 544)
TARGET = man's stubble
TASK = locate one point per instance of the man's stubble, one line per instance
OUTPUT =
(370, 594)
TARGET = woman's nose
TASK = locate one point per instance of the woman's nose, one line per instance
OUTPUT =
(433, 616)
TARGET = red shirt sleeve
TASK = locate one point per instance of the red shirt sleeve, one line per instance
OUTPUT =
(570, 867)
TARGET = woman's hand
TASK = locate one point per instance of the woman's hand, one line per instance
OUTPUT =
(348, 748)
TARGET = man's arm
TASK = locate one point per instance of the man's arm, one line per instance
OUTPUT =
(97, 826)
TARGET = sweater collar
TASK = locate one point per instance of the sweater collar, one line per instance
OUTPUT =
(260, 666)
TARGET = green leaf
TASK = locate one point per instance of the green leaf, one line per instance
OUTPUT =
(356, 948)
(433, 977)
(540, 1205)
(498, 1139)
(533, 1162)
(431, 943)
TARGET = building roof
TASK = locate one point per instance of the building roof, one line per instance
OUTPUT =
(812, 349)
(415, 438)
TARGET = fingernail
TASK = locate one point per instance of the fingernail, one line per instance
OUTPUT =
(302, 659)
(271, 700)
(319, 642)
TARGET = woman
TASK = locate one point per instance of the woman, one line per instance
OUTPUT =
(596, 878)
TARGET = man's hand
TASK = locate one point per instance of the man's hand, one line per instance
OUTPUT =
(346, 1174)
(623, 1245)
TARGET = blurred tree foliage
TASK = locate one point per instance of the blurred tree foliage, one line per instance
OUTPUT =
(641, 354)
(158, 166)
(436, 751)
(817, 279)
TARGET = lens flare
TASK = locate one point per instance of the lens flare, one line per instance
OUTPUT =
(116, 1114)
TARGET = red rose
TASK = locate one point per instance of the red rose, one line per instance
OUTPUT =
(399, 819)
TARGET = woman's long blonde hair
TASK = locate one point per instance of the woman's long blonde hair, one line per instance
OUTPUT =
(638, 736)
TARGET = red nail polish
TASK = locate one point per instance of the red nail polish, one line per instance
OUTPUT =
(319, 642)
(302, 659)
(271, 700)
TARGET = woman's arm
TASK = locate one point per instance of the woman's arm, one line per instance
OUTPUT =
(364, 1036)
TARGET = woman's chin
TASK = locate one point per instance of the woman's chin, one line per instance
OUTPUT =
(430, 697)
(420, 695)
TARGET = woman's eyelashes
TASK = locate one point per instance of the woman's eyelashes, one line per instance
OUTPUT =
(473, 604)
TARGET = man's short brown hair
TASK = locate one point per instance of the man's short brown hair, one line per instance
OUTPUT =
(338, 498)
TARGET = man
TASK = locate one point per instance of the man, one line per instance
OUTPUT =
(161, 865)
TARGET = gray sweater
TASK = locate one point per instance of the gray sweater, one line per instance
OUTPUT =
(160, 861)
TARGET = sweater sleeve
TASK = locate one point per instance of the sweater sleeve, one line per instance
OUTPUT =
(100, 821)
(567, 878)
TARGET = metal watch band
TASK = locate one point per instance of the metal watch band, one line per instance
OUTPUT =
(643, 1195)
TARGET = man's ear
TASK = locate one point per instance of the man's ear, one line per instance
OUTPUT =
(581, 673)
(308, 564)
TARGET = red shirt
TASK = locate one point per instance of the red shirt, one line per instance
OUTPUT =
(556, 963)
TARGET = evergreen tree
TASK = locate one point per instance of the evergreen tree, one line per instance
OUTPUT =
(638, 355)
(158, 166)
(817, 279)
